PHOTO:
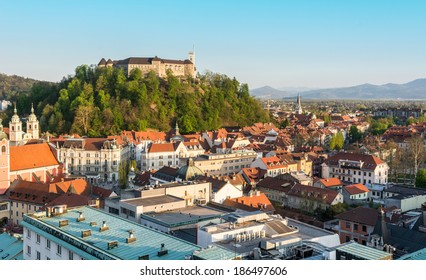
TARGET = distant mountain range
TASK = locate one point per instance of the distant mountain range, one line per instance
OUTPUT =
(413, 90)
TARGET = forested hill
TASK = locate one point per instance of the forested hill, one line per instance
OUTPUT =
(103, 101)
(10, 86)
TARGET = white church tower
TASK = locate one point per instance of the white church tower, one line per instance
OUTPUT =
(33, 125)
(15, 129)
(298, 107)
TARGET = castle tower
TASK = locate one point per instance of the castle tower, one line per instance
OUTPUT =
(33, 125)
(15, 129)
(191, 56)
(298, 106)
(4, 160)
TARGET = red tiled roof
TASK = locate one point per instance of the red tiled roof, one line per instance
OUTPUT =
(78, 186)
(356, 189)
(70, 199)
(362, 215)
(273, 162)
(253, 174)
(257, 200)
(276, 184)
(331, 182)
(101, 192)
(322, 195)
(370, 161)
(31, 156)
(162, 147)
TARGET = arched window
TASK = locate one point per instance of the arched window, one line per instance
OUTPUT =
(3, 149)
(30, 126)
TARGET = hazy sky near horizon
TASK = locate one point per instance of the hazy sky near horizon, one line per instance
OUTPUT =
(278, 43)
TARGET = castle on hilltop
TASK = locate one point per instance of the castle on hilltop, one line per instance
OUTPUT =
(179, 68)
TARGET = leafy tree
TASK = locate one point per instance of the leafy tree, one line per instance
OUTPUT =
(103, 101)
(416, 152)
(337, 141)
(421, 178)
(354, 134)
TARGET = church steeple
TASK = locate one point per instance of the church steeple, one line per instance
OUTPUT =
(298, 106)
(32, 124)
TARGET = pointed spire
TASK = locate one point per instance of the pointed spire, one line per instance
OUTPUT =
(177, 128)
(32, 108)
(14, 110)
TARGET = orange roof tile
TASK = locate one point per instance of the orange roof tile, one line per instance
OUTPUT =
(356, 189)
(257, 200)
(273, 162)
(31, 156)
(331, 182)
(162, 147)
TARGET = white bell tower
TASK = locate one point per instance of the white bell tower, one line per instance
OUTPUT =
(15, 129)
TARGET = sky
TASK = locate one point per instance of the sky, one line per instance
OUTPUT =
(315, 44)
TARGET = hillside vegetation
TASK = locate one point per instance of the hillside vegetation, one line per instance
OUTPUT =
(104, 101)
(10, 86)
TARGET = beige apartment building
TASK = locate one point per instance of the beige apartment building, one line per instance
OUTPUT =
(96, 159)
(224, 164)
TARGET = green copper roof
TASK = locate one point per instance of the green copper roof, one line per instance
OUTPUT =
(95, 246)
(419, 255)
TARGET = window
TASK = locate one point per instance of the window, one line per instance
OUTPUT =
(59, 250)
(348, 225)
(355, 226)
(48, 244)
(364, 228)
(28, 234)
(347, 239)
(38, 256)
(38, 238)
(87, 161)
(70, 255)
(28, 250)
(47, 258)
(29, 207)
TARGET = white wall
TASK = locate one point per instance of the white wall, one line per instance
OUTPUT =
(30, 239)
(226, 191)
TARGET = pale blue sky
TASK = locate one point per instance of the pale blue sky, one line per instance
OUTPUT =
(277, 43)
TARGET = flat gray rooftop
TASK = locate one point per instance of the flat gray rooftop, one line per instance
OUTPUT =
(187, 215)
(153, 200)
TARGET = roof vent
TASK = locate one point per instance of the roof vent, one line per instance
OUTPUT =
(80, 217)
(131, 238)
(112, 245)
(93, 224)
(86, 233)
(104, 227)
(144, 257)
(63, 223)
(163, 251)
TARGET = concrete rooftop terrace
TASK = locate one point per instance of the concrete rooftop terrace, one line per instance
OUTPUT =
(95, 246)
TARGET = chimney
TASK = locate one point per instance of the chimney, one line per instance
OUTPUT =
(104, 227)
(131, 238)
(163, 251)
(80, 217)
